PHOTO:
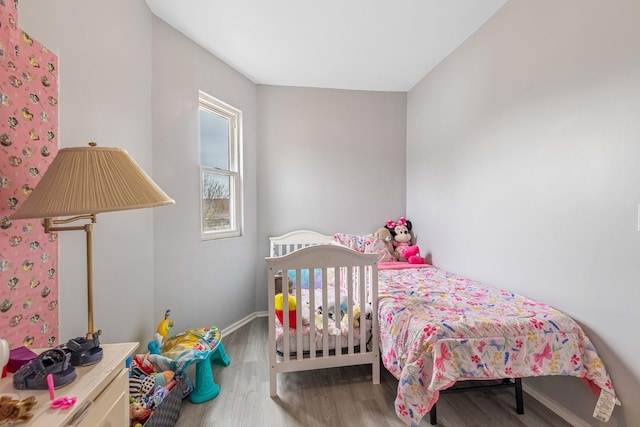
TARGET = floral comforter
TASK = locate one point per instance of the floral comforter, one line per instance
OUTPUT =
(437, 328)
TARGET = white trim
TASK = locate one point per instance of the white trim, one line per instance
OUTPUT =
(240, 323)
(213, 105)
(555, 407)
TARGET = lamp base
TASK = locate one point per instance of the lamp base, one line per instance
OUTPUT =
(84, 351)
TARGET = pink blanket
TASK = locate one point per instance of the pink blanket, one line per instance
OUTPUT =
(437, 328)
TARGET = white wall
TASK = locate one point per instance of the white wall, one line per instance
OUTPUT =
(330, 160)
(212, 282)
(104, 51)
(128, 79)
(523, 151)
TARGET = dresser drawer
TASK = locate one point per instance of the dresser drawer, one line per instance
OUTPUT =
(111, 407)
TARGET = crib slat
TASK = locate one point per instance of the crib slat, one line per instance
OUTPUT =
(312, 311)
(285, 316)
(325, 316)
(366, 283)
(299, 328)
(337, 317)
(350, 301)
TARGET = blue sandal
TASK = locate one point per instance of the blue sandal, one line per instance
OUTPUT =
(33, 375)
(84, 351)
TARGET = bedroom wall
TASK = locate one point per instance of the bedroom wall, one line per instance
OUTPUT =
(104, 51)
(210, 282)
(523, 150)
(330, 161)
(128, 79)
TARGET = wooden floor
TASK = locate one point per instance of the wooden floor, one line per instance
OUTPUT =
(336, 396)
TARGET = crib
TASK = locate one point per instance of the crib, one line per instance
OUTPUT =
(321, 272)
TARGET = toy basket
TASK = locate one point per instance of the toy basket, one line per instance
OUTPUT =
(168, 412)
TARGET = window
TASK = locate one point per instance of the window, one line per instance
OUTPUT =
(220, 180)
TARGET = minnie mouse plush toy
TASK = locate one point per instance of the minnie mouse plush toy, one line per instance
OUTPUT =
(401, 232)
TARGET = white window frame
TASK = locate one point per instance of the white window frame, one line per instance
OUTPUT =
(234, 115)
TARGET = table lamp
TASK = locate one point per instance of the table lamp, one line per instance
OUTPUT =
(80, 183)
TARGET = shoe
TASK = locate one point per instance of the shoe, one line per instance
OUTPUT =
(33, 375)
(84, 351)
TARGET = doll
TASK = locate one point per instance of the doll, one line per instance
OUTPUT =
(402, 236)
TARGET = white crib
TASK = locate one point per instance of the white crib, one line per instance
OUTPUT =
(355, 275)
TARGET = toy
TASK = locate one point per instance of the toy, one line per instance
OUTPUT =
(319, 321)
(138, 412)
(141, 385)
(163, 378)
(368, 310)
(384, 234)
(356, 317)
(279, 284)
(279, 304)
(331, 308)
(164, 325)
(306, 313)
(402, 236)
(15, 411)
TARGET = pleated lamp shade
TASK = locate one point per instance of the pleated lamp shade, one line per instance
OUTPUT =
(91, 180)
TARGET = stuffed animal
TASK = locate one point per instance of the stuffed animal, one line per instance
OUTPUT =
(319, 321)
(332, 310)
(279, 305)
(384, 234)
(306, 313)
(402, 237)
(279, 284)
(368, 310)
(356, 317)
(138, 412)
(15, 411)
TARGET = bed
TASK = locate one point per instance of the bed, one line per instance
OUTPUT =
(437, 328)
(321, 274)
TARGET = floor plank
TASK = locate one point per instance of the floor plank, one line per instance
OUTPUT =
(336, 396)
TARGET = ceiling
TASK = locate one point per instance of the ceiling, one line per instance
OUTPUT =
(379, 45)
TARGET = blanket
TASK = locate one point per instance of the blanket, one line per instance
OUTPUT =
(437, 328)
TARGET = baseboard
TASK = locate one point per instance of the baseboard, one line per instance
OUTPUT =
(240, 323)
(554, 407)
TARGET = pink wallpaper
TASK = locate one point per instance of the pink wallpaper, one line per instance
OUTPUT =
(28, 143)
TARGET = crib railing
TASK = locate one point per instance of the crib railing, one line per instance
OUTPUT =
(294, 240)
(355, 275)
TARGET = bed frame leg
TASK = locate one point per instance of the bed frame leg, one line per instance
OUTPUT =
(433, 416)
(519, 397)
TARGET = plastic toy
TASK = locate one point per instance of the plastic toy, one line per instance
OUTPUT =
(164, 325)
(279, 304)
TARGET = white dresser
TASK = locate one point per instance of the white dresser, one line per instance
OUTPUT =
(102, 391)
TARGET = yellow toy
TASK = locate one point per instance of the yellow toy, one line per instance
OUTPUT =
(279, 302)
(164, 325)
(356, 317)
